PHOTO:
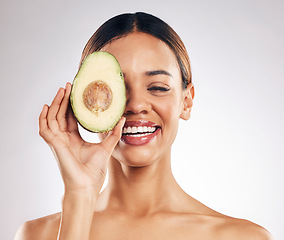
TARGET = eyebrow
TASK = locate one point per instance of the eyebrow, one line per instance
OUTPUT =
(158, 72)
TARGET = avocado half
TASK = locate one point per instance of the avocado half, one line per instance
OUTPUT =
(98, 92)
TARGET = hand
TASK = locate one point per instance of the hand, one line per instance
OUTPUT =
(82, 165)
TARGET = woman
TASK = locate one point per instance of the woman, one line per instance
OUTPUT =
(142, 199)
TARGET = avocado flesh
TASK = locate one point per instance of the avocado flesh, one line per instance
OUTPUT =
(98, 93)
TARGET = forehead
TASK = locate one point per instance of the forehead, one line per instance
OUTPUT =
(142, 52)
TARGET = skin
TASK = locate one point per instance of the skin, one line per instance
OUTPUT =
(142, 199)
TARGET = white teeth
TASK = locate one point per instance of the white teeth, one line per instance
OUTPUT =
(128, 130)
(140, 129)
(140, 134)
(134, 130)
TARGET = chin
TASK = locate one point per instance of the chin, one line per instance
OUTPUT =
(135, 156)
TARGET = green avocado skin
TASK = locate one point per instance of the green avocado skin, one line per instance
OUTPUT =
(101, 66)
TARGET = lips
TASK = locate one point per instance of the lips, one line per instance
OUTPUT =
(139, 132)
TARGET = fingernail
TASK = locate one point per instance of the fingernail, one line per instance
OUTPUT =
(110, 132)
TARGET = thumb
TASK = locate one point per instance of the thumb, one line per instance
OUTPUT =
(113, 136)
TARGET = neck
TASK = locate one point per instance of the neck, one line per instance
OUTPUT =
(141, 190)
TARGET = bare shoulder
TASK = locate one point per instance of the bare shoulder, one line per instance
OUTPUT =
(42, 228)
(233, 228)
(225, 227)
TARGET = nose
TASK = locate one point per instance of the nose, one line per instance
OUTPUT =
(136, 102)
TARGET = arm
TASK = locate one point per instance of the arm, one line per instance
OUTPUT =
(82, 166)
(77, 215)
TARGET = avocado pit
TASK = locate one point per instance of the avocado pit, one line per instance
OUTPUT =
(97, 96)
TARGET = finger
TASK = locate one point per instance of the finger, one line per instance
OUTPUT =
(44, 130)
(113, 136)
(53, 111)
(71, 120)
(62, 113)
(72, 127)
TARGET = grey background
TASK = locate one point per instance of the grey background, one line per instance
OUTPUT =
(229, 155)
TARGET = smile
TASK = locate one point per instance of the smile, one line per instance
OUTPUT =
(139, 132)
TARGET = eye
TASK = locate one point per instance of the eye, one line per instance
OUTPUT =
(158, 88)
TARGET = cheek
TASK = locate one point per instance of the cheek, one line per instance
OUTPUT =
(169, 109)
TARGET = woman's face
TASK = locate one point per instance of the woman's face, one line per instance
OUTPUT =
(155, 99)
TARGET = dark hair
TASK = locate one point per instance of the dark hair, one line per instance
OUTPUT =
(121, 25)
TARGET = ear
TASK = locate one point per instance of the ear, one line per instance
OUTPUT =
(187, 97)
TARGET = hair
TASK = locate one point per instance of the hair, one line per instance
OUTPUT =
(124, 24)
